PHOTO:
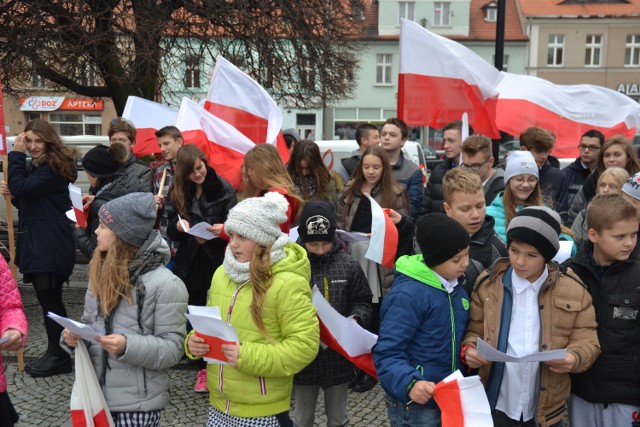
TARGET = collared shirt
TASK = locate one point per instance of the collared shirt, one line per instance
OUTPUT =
(449, 285)
(518, 391)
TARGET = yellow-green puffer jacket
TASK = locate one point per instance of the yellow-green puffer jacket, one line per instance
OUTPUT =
(263, 382)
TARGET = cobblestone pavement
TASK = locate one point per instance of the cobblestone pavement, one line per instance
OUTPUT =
(45, 401)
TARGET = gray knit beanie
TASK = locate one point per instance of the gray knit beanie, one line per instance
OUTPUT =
(520, 163)
(538, 226)
(130, 217)
(259, 218)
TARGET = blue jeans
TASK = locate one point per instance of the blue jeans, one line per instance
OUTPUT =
(412, 415)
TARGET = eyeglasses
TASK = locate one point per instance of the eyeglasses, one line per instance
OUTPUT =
(588, 147)
(474, 166)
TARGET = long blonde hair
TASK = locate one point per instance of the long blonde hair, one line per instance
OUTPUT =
(109, 274)
(261, 275)
(266, 162)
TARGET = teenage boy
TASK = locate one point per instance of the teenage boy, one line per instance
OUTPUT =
(170, 141)
(393, 137)
(526, 304)
(578, 171)
(122, 131)
(422, 320)
(464, 201)
(608, 394)
(478, 157)
(553, 183)
(367, 135)
(433, 197)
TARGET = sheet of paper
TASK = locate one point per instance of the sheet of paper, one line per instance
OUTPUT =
(347, 236)
(493, 355)
(293, 234)
(200, 230)
(353, 338)
(71, 214)
(202, 310)
(83, 330)
(564, 253)
(215, 332)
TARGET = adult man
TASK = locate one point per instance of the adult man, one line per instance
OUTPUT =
(122, 131)
(433, 198)
(367, 134)
(553, 183)
(393, 137)
(578, 171)
(478, 157)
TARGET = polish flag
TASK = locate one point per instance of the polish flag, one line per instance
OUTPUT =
(384, 236)
(566, 110)
(148, 116)
(239, 100)
(88, 406)
(463, 402)
(440, 80)
(222, 143)
(345, 336)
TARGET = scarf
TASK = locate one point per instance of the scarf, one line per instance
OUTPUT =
(238, 272)
(311, 184)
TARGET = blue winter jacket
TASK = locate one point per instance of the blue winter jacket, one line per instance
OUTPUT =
(420, 331)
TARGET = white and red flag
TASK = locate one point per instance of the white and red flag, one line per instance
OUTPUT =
(463, 402)
(148, 117)
(240, 101)
(345, 336)
(566, 110)
(88, 406)
(440, 80)
(221, 142)
(384, 236)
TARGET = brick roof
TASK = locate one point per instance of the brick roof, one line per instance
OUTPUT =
(479, 29)
(580, 8)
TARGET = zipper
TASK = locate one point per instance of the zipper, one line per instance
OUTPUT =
(453, 335)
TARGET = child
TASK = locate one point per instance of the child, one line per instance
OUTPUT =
(140, 308)
(464, 201)
(527, 304)
(608, 394)
(124, 132)
(262, 289)
(13, 324)
(341, 279)
(422, 321)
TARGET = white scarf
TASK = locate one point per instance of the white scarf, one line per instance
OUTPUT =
(239, 271)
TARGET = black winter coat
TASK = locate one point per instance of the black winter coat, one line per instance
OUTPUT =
(485, 246)
(120, 185)
(217, 198)
(433, 196)
(350, 295)
(553, 186)
(615, 376)
(45, 237)
(576, 175)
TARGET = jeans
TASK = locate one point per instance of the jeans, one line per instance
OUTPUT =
(412, 415)
(335, 405)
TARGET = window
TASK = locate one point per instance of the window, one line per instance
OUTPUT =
(406, 10)
(632, 51)
(33, 116)
(192, 72)
(505, 62)
(383, 68)
(442, 14)
(37, 81)
(555, 50)
(593, 49)
(307, 74)
(87, 76)
(491, 12)
(74, 123)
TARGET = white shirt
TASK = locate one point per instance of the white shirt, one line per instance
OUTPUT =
(519, 388)
(448, 284)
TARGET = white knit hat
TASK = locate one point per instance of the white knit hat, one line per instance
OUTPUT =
(632, 186)
(259, 218)
(519, 163)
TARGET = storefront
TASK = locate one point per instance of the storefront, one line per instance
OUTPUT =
(69, 116)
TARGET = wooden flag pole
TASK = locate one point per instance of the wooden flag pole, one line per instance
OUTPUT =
(164, 178)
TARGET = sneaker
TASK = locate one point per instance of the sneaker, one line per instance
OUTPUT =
(201, 382)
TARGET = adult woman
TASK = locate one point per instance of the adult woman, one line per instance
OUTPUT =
(198, 195)
(46, 250)
(309, 174)
(617, 151)
(104, 168)
(610, 181)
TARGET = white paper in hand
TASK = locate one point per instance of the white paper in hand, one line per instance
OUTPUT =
(203, 310)
(493, 355)
(216, 329)
(83, 330)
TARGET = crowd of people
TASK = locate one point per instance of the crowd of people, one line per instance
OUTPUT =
(476, 259)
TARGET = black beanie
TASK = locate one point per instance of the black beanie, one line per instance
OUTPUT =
(101, 162)
(317, 222)
(440, 238)
(538, 226)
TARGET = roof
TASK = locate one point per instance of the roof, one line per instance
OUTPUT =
(580, 8)
(479, 29)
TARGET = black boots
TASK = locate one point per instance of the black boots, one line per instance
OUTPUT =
(363, 382)
(50, 364)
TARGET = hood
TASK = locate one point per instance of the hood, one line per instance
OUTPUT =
(295, 261)
(414, 267)
(155, 243)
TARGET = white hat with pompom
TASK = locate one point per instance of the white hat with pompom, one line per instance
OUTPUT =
(259, 218)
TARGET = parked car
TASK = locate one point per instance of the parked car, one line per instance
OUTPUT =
(431, 157)
(506, 149)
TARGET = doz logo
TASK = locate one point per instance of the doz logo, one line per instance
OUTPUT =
(42, 103)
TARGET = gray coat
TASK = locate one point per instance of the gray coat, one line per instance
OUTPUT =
(137, 380)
